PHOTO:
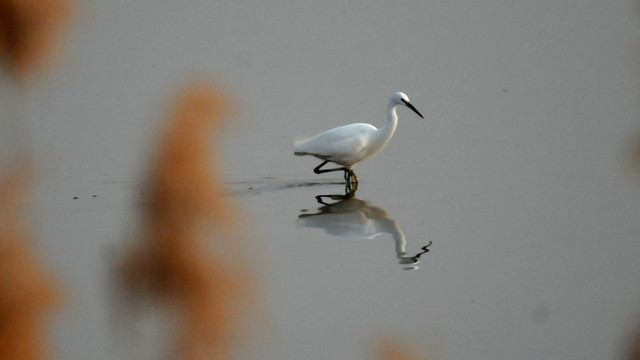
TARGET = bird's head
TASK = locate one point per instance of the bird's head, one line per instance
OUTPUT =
(401, 98)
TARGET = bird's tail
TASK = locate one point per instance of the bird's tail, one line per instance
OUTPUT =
(297, 144)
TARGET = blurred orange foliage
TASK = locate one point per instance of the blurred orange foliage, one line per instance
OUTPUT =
(633, 347)
(30, 31)
(189, 226)
(391, 349)
(27, 292)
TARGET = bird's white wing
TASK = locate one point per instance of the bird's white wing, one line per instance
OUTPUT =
(336, 144)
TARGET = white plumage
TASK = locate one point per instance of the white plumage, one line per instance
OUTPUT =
(349, 144)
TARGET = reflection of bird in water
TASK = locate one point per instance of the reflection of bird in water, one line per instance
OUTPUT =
(352, 218)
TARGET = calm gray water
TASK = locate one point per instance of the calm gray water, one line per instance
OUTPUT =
(522, 177)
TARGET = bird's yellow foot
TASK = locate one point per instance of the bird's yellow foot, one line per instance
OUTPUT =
(350, 177)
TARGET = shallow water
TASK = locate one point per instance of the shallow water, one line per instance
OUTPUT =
(522, 269)
(522, 183)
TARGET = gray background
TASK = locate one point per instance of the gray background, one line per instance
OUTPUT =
(523, 174)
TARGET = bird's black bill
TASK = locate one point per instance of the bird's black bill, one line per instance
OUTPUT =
(414, 109)
(410, 106)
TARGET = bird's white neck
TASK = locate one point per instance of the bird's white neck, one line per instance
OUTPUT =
(386, 131)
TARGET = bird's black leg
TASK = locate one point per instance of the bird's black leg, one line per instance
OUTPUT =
(349, 175)
(318, 169)
(350, 189)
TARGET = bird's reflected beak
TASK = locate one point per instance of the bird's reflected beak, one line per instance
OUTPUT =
(413, 108)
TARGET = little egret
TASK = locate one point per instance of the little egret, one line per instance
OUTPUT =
(349, 144)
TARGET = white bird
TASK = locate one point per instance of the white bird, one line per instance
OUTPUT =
(346, 145)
